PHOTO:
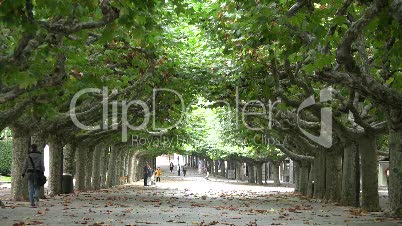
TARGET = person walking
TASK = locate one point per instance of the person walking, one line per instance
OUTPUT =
(158, 174)
(33, 167)
(171, 167)
(178, 169)
(146, 170)
(184, 170)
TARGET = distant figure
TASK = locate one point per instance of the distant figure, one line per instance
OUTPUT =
(158, 174)
(146, 170)
(207, 176)
(151, 175)
(184, 170)
(178, 169)
(33, 166)
(171, 167)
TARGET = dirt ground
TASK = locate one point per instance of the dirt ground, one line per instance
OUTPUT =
(190, 200)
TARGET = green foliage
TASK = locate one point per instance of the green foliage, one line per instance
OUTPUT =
(6, 148)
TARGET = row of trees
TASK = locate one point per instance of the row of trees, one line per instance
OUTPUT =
(285, 51)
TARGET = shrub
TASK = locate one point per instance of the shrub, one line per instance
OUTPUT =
(6, 149)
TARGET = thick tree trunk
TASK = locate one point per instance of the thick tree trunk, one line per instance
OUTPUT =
(68, 159)
(349, 196)
(119, 166)
(80, 163)
(275, 172)
(88, 170)
(210, 165)
(41, 142)
(216, 164)
(259, 173)
(319, 176)
(111, 173)
(55, 166)
(368, 152)
(136, 168)
(96, 173)
(297, 175)
(395, 163)
(303, 177)
(130, 167)
(222, 168)
(333, 176)
(19, 185)
(127, 162)
(140, 164)
(104, 166)
(251, 173)
(310, 180)
(238, 170)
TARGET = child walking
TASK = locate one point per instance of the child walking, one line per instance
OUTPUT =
(158, 174)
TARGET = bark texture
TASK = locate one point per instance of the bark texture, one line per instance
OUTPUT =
(88, 168)
(19, 185)
(368, 152)
(349, 167)
(80, 162)
(96, 173)
(395, 162)
(111, 173)
(55, 166)
(275, 172)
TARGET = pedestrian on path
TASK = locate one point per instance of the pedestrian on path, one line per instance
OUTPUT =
(33, 167)
(151, 176)
(171, 167)
(184, 170)
(178, 169)
(158, 174)
(146, 170)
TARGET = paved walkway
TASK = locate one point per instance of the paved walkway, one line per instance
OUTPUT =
(192, 200)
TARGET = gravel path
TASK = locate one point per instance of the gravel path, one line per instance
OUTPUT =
(192, 200)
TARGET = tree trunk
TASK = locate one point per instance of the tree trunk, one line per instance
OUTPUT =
(319, 176)
(259, 173)
(104, 166)
(88, 170)
(222, 168)
(216, 164)
(55, 166)
(310, 180)
(297, 175)
(395, 160)
(19, 185)
(127, 162)
(119, 166)
(333, 176)
(111, 173)
(68, 162)
(369, 165)
(96, 173)
(80, 163)
(348, 195)
(251, 173)
(275, 172)
(303, 177)
(136, 168)
(130, 167)
(41, 143)
(238, 170)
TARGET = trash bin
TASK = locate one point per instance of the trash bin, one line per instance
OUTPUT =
(67, 185)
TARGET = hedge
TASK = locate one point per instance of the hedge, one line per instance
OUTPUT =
(6, 148)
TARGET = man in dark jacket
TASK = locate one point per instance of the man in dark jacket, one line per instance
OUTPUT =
(31, 170)
(146, 171)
